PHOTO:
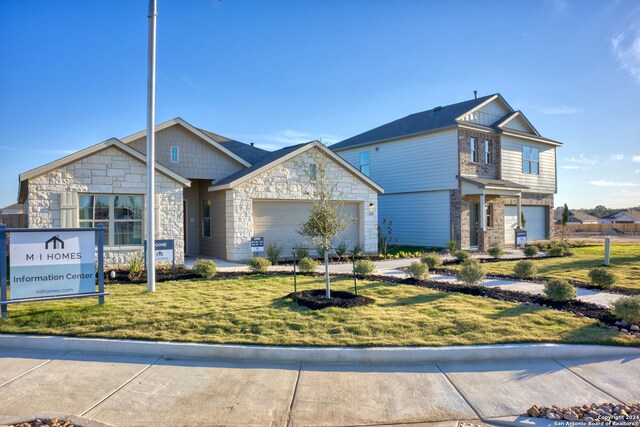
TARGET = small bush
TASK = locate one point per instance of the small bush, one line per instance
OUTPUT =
(205, 268)
(556, 251)
(357, 250)
(300, 253)
(418, 270)
(525, 269)
(273, 253)
(559, 290)
(628, 309)
(471, 272)
(542, 246)
(259, 265)
(136, 267)
(462, 255)
(602, 276)
(496, 252)
(307, 265)
(341, 249)
(363, 267)
(431, 260)
(531, 251)
(453, 245)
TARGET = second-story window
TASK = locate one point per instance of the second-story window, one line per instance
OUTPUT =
(364, 163)
(488, 158)
(175, 154)
(530, 160)
(473, 145)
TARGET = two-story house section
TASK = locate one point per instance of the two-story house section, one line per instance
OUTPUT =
(468, 171)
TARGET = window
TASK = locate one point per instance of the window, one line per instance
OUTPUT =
(121, 213)
(530, 160)
(312, 172)
(364, 163)
(488, 158)
(488, 213)
(175, 154)
(206, 218)
(474, 150)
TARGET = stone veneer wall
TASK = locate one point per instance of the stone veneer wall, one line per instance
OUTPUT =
(288, 181)
(109, 171)
(481, 168)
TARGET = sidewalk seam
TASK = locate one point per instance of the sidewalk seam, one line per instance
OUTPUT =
(33, 369)
(120, 387)
(587, 381)
(293, 397)
(459, 391)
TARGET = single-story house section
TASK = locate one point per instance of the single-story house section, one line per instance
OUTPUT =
(627, 216)
(575, 217)
(212, 194)
(14, 209)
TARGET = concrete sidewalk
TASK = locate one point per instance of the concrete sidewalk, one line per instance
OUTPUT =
(131, 390)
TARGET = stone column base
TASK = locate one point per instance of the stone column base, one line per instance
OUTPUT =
(483, 240)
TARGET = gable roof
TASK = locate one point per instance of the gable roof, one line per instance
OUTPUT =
(194, 130)
(631, 213)
(502, 123)
(246, 151)
(417, 123)
(575, 215)
(276, 157)
(71, 158)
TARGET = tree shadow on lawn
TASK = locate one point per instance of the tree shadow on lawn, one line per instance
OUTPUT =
(516, 311)
(416, 299)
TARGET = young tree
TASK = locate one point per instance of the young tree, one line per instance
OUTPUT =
(523, 221)
(326, 219)
(564, 220)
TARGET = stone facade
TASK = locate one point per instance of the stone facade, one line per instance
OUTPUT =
(289, 181)
(480, 168)
(110, 171)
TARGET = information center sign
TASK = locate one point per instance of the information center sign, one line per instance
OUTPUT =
(49, 264)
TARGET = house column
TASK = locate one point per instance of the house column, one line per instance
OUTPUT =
(483, 213)
(483, 241)
(519, 211)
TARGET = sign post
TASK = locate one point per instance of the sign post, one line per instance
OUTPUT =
(3, 268)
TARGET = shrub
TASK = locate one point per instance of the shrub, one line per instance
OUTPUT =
(531, 251)
(559, 290)
(363, 267)
(418, 270)
(300, 253)
(453, 245)
(525, 269)
(471, 272)
(357, 250)
(542, 246)
(136, 267)
(431, 260)
(628, 309)
(205, 268)
(259, 265)
(462, 255)
(341, 249)
(603, 277)
(273, 253)
(307, 265)
(496, 252)
(556, 251)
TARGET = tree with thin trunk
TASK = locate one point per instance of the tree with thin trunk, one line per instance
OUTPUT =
(326, 218)
(564, 220)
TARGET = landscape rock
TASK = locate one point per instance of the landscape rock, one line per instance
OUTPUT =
(635, 328)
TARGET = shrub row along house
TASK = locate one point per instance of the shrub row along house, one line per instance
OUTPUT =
(464, 172)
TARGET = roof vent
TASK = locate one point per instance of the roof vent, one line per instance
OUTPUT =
(251, 143)
(438, 108)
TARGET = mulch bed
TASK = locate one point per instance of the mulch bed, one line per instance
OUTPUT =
(43, 422)
(315, 299)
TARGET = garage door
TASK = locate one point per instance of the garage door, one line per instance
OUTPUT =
(536, 220)
(279, 222)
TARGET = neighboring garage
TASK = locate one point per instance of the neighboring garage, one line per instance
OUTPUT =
(536, 222)
(279, 221)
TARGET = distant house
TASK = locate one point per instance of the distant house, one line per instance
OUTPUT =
(627, 216)
(16, 208)
(576, 217)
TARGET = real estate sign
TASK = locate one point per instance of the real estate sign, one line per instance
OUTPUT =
(257, 244)
(49, 264)
(164, 251)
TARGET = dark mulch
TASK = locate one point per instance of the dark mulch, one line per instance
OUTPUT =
(315, 299)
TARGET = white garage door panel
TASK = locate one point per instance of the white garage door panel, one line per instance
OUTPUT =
(279, 222)
(535, 217)
(418, 219)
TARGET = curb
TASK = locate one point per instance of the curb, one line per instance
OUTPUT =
(315, 354)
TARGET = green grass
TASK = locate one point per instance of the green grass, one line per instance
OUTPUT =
(625, 263)
(251, 310)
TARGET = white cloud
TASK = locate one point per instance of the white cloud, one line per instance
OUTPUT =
(561, 109)
(603, 183)
(583, 160)
(636, 158)
(617, 157)
(637, 171)
(573, 167)
(279, 139)
(626, 47)
(558, 6)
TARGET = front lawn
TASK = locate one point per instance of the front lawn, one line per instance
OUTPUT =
(625, 263)
(250, 310)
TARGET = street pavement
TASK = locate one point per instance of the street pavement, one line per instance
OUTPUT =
(131, 390)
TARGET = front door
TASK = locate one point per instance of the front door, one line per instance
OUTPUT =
(473, 223)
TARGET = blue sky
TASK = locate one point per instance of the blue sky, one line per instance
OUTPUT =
(73, 73)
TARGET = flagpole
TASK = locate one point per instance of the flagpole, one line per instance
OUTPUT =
(151, 112)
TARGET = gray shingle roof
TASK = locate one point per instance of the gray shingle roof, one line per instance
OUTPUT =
(439, 117)
(246, 151)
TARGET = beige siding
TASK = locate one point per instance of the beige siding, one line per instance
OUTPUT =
(215, 245)
(545, 181)
(421, 163)
(518, 124)
(488, 114)
(198, 158)
(192, 196)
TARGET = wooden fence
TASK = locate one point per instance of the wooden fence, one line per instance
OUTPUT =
(597, 228)
(14, 220)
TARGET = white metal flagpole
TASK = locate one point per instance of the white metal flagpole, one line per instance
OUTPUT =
(151, 157)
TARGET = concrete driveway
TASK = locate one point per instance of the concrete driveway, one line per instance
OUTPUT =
(130, 390)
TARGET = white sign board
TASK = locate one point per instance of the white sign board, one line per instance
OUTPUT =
(50, 264)
(257, 244)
